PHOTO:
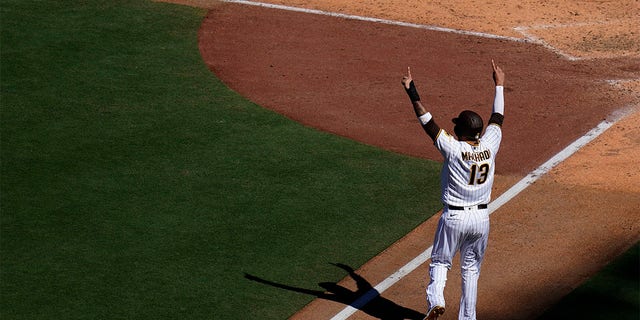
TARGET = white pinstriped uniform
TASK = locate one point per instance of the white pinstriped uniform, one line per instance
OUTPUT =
(466, 181)
(467, 173)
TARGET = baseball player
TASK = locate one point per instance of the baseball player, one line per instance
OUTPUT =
(466, 181)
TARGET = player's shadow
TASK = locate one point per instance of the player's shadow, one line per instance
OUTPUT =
(377, 307)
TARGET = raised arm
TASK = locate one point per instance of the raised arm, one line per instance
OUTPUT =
(428, 124)
(497, 116)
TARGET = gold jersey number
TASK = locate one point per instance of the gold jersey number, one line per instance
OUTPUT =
(479, 173)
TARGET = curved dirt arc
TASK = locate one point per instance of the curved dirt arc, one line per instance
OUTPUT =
(342, 76)
(346, 78)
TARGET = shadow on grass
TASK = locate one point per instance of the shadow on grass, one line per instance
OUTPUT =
(614, 293)
(377, 307)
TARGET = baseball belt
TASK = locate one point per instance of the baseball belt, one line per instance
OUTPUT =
(480, 206)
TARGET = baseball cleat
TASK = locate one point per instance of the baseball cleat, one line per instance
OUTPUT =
(434, 313)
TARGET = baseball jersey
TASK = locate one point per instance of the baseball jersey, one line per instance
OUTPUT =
(467, 174)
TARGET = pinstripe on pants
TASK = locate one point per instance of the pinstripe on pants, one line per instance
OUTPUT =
(467, 231)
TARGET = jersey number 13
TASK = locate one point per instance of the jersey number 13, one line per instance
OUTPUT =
(479, 173)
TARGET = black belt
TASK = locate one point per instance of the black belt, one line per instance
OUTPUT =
(480, 206)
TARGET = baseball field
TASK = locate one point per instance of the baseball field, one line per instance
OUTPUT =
(238, 160)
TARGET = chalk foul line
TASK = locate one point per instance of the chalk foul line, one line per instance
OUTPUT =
(528, 180)
(377, 20)
(384, 285)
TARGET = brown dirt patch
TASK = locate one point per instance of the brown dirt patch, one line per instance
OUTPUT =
(341, 76)
(582, 28)
(606, 166)
(591, 40)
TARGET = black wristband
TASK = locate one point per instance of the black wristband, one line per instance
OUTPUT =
(412, 92)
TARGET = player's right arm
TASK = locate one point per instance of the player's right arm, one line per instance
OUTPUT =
(428, 124)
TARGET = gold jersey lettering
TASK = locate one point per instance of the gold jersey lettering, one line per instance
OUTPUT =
(476, 156)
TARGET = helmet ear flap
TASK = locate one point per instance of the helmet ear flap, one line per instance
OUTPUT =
(457, 131)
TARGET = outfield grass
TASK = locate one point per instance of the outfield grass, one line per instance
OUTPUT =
(136, 185)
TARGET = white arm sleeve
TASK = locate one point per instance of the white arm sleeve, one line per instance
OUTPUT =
(498, 102)
(425, 118)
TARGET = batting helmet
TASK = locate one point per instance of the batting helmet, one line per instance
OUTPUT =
(468, 124)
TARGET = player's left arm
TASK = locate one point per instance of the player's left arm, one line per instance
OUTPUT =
(428, 124)
(497, 117)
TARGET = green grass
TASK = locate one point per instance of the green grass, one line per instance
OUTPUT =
(614, 293)
(135, 185)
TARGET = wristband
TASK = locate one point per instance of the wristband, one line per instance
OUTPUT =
(412, 92)
(425, 118)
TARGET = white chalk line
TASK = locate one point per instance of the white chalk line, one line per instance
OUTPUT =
(503, 198)
(528, 37)
(619, 82)
(525, 32)
(384, 285)
(535, 39)
(376, 20)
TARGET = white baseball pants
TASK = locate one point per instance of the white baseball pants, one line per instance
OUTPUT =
(466, 231)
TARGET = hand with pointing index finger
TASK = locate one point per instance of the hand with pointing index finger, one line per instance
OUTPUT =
(498, 74)
(406, 80)
(409, 86)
